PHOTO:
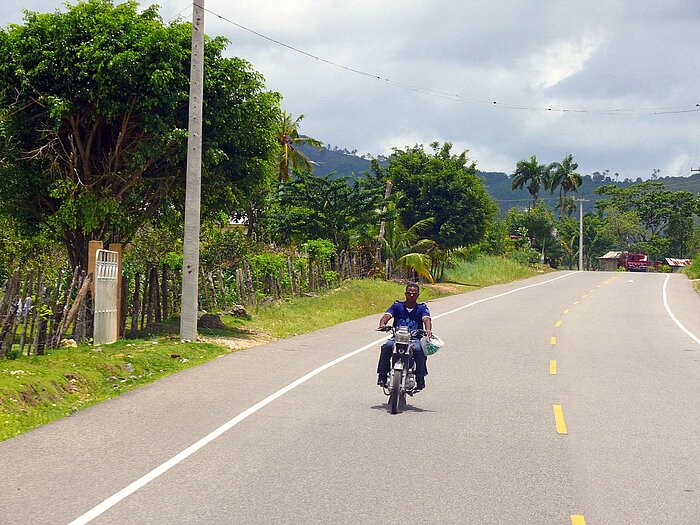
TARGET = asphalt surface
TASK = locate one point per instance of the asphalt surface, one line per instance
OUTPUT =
(481, 444)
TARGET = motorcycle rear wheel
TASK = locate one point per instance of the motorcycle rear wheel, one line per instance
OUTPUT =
(395, 396)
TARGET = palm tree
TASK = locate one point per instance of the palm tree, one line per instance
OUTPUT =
(567, 206)
(404, 249)
(288, 138)
(563, 175)
(531, 174)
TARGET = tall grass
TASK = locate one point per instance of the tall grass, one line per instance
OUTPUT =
(354, 299)
(486, 270)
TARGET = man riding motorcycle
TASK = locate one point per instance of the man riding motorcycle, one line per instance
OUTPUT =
(416, 316)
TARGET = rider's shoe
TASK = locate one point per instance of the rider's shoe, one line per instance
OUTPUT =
(420, 383)
(381, 380)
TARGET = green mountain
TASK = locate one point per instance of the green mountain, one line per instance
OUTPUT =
(346, 163)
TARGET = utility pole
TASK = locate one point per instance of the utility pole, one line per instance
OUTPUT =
(580, 233)
(190, 259)
(382, 224)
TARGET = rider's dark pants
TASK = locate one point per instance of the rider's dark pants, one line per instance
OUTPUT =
(418, 356)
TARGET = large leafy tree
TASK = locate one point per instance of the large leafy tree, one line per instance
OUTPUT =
(93, 123)
(444, 186)
(659, 210)
(530, 174)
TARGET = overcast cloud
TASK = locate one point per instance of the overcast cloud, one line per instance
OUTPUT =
(592, 56)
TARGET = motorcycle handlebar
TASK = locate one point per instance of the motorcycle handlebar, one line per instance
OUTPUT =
(414, 333)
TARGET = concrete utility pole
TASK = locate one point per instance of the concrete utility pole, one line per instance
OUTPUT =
(580, 233)
(190, 260)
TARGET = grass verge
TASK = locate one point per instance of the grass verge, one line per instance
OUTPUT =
(38, 389)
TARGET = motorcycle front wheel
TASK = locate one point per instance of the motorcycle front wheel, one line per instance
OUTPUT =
(395, 396)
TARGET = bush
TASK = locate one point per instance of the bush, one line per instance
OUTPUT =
(693, 271)
(525, 256)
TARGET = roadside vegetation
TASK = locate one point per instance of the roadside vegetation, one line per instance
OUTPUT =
(38, 389)
(693, 272)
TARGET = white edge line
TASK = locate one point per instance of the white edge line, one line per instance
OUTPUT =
(670, 313)
(164, 467)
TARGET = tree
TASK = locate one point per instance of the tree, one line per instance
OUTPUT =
(623, 227)
(660, 211)
(563, 175)
(288, 138)
(93, 119)
(538, 224)
(443, 186)
(310, 207)
(531, 174)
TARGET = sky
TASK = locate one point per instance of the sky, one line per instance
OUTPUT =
(613, 82)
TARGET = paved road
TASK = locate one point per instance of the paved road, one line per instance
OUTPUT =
(484, 444)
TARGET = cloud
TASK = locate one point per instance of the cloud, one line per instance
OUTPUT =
(562, 59)
(679, 166)
(611, 55)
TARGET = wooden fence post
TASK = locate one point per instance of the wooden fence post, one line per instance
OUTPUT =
(27, 308)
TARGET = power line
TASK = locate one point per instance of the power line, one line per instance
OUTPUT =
(629, 112)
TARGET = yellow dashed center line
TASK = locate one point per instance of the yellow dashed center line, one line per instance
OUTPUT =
(553, 340)
(575, 302)
(591, 290)
(559, 419)
(566, 311)
(558, 324)
(552, 367)
(585, 295)
(577, 519)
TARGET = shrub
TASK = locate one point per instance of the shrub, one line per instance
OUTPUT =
(525, 256)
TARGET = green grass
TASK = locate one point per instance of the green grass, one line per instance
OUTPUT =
(39, 389)
(354, 299)
(693, 272)
(487, 271)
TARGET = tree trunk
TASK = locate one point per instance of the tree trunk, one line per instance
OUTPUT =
(7, 333)
(77, 303)
(155, 295)
(164, 292)
(144, 300)
(135, 303)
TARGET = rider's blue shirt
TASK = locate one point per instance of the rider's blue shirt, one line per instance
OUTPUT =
(412, 319)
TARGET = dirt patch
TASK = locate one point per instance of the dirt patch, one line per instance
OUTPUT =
(233, 344)
(452, 288)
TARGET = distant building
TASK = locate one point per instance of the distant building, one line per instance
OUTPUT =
(677, 264)
(610, 261)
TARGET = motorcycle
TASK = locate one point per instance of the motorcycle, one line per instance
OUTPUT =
(402, 375)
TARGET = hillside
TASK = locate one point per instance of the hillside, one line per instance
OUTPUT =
(346, 163)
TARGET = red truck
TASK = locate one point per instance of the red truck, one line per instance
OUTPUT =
(637, 262)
